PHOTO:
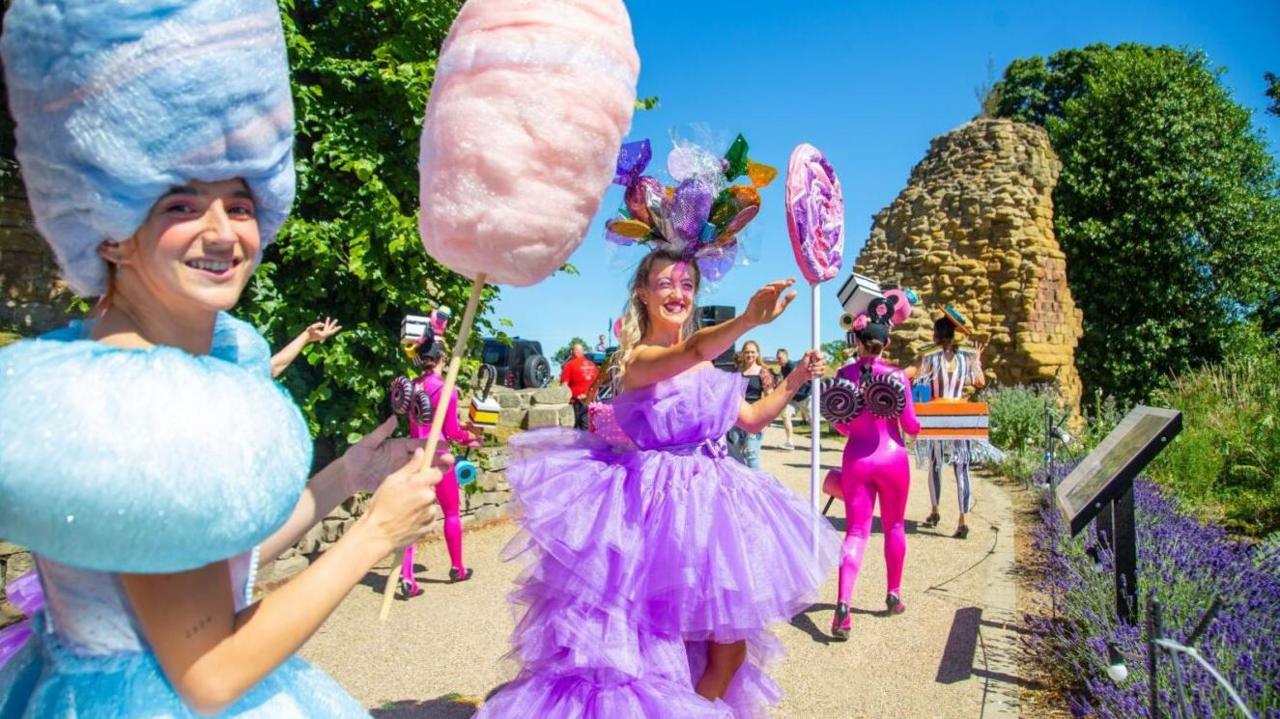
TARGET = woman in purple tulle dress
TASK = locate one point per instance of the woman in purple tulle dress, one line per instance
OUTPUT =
(655, 569)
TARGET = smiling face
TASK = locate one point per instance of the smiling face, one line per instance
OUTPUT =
(669, 294)
(196, 249)
(750, 354)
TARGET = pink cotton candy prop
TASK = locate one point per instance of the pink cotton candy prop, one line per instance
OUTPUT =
(815, 214)
(520, 140)
(528, 108)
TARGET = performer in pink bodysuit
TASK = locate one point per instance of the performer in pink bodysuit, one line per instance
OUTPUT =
(870, 403)
(447, 492)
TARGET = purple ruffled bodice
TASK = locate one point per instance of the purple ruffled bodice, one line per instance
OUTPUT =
(688, 409)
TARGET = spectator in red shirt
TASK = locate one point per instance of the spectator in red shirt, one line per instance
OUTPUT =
(578, 374)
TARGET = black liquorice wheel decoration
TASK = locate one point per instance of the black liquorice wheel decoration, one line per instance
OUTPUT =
(841, 400)
(420, 408)
(401, 391)
(885, 396)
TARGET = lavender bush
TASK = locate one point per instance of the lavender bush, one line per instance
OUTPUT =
(1187, 564)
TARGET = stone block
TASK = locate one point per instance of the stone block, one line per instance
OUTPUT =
(567, 416)
(488, 514)
(494, 498)
(508, 400)
(543, 416)
(497, 459)
(556, 394)
(512, 417)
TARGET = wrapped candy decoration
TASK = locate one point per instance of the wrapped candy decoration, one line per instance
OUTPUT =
(815, 214)
(842, 400)
(420, 408)
(529, 105)
(885, 396)
(401, 394)
(701, 215)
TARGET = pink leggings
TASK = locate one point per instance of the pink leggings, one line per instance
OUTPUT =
(447, 495)
(886, 473)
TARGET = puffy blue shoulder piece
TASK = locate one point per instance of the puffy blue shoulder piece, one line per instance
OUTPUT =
(144, 460)
(237, 341)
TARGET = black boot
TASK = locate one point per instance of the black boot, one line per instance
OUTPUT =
(839, 631)
(894, 604)
(455, 576)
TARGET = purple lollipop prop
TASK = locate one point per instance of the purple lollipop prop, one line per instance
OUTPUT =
(815, 214)
(815, 223)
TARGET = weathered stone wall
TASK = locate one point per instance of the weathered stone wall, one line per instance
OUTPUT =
(14, 562)
(974, 229)
(32, 297)
(533, 408)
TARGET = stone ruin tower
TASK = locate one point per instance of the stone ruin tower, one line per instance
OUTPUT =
(974, 229)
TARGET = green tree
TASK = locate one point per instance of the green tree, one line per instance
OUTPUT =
(562, 354)
(1166, 206)
(362, 73)
(836, 353)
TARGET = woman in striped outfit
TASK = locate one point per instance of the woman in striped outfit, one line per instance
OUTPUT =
(948, 372)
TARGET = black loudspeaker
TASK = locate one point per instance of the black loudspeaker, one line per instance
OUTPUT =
(715, 314)
(711, 315)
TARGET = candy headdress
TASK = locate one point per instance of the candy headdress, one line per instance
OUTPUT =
(115, 103)
(699, 217)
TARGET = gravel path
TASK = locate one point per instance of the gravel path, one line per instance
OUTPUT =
(950, 655)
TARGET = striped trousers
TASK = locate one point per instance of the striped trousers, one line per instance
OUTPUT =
(959, 461)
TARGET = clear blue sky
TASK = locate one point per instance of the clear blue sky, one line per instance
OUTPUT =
(868, 84)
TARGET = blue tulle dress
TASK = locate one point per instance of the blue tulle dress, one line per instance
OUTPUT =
(148, 461)
(639, 553)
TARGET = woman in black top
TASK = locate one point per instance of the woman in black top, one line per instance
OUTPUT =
(743, 445)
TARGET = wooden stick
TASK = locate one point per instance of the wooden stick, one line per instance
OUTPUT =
(437, 424)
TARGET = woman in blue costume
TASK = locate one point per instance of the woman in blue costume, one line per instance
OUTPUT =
(656, 569)
(155, 141)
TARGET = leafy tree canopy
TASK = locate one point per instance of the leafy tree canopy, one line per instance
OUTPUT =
(362, 72)
(563, 354)
(1167, 205)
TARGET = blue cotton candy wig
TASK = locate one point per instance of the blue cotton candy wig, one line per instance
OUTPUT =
(116, 102)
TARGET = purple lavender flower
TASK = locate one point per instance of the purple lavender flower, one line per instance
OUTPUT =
(1186, 564)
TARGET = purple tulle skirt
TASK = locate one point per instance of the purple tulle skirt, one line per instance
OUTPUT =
(634, 561)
